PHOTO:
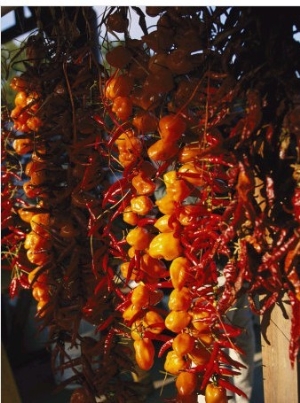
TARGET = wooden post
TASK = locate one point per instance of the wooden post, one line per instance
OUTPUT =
(280, 381)
(9, 390)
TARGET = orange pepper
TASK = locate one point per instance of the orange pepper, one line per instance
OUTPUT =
(200, 355)
(162, 223)
(189, 152)
(166, 204)
(131, 252)
(144, 353)
(186, 383)
(141, 205)
(137, 330)
(41, 279)
(130, 312)
(175, 363)
(140, 296)
(40, 224)
(35, 241)
(153, 267)
(165, 246)
(145, 122)
(179, 271)
(122, 107)
(177, 188)
(124, 271)
(199, 320)
(153, 322)
(171, 127)
(162, 150)
(23, 146)
(183, 343)
(176, 321)
(139, 238)
(215, 394)
(118, 86)
(129, 147)
(180, 299)
(142, 184)
(129, 216)
(196, 178)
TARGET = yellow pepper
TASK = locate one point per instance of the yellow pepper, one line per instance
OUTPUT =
(165, 246)
(142, 184)
(139, 238)
(162, 223)
(177, 188)
(141, 204)
(166, 204)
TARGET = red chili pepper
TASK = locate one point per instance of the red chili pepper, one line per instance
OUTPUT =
(228, 372)
(119, 187)
(225, 359)
(98, 119)
(14, 287)
(115, 244)
(165, 347)
(102, 283)
(105, 324)
(211, 365)
(228, 385)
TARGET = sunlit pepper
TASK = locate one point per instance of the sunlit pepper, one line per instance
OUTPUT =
(177, 188)
(153, 267)
(176, 321)
(166, 204)
(165, 246)
(124, 268)
(183, 343)
(141, 205)
(180, 299)
(142, 296)
(23, 146)
(130, 312)
(129, 216)
(40, 224)
(175, 363)
(137, 330)
(153, 322)
(192, 174)
(142, 184)
(171, 127)
(179, 271)
(215, 394)
(186, 383)
(189, 152)
(144, 353)
(162, 223)
(162, 150)
(139, 238)
(201, 320)
(35, 241)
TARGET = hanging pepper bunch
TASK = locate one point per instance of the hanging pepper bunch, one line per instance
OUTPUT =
(160, 174)
(55, 164)
(204, 136)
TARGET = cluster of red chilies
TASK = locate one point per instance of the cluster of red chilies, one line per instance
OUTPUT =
(172, 187)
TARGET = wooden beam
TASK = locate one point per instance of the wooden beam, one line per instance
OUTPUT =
(9, 390)
(280, 380)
